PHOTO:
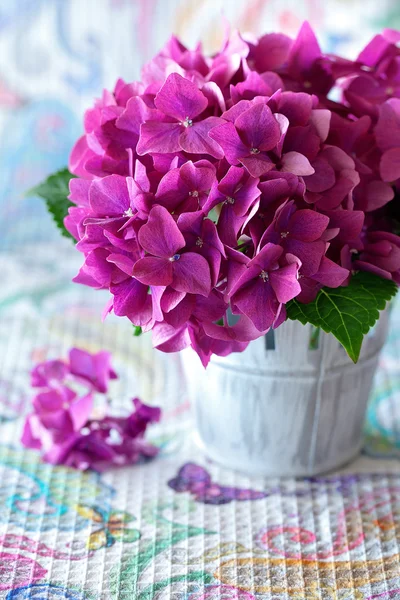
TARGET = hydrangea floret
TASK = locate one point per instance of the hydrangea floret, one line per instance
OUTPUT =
(70, 426)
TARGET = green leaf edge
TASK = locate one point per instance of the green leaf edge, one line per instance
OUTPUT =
(38, 190)
(295, 312)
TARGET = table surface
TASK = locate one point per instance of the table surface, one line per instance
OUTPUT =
(127, 534)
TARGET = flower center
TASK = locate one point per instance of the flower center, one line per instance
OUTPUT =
(390, 91)
(199, 242)
(229, 200)
(284, 234)
(307, 84)
(187, 122)
(128, 213)
(264, 276)
(175, 257)
(195, 194)
(255, 151)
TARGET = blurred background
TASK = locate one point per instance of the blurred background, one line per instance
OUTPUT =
(57, 55)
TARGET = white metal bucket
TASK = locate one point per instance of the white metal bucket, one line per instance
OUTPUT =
(291, 404)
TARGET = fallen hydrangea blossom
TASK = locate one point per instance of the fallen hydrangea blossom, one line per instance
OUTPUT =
(234, 184)
(65, 424)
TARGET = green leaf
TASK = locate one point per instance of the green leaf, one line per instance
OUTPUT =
(137, 330)
(55, 190)
(346, 312)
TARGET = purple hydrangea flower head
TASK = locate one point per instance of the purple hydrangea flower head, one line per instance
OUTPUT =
(234, 183)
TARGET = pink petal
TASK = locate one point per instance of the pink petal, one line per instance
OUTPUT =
(304, 51)
(80, 411)
(129, 297)
(153, 271)
(374, 51)
(387, 130)
(378, 194)
(180, 98)
(161, 236)
(271, 51)
(28, 439)
(257, 164)
(330, 274)
(96, 272)
(309, 253)
(214, 95)
(53, 399)
(80, 154)
(338, 159)
(280, 317)
(258, 302)
(199, 175)
(390, 164)
(284, 283)
(173, 189)
(136, 113)
(170, 299)
(109, 196)
(168, 339)
(192, 274)
(79, 191)
(296, 163)
(335, 195)
(95, 368)
(177, 317)
(323, 178)
(348, 222)
(296, 107)
(236, 110)
(211, 308)
(228, 225)
(365, 266)
(47, 373)
(243, 331)
(123, 262)
(159, 137)
(267, 258)
(228, 138)
(253, 85)
(258, 128)
(308, 225)
(195, 139)
(321, 119)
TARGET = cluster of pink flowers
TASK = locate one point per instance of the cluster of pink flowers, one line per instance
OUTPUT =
(230, 185)
(68, 427)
